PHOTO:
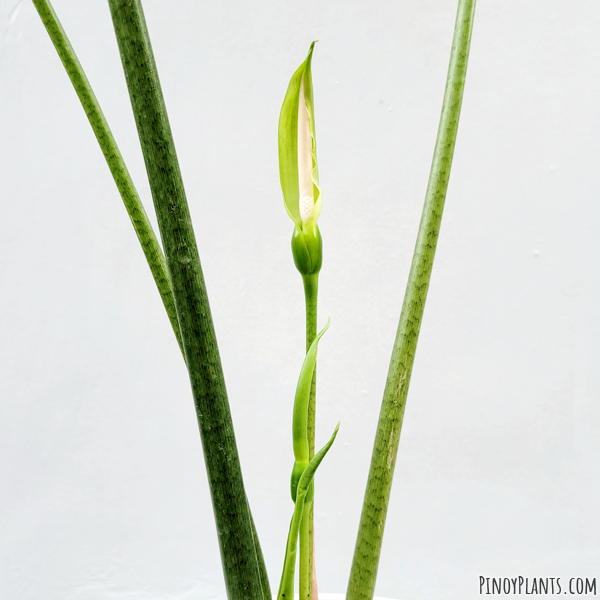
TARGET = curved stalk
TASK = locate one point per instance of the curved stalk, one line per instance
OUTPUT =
(370, 534)
(114, 159)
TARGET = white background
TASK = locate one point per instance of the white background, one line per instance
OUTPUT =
(103, 493)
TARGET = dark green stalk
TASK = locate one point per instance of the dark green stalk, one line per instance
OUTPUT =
(239, 547)
(143, 228)
(262, 567)
(113, 157)
(370, 534)
(311, 289)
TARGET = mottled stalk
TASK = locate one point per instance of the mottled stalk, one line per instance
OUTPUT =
(307, 577)
(370, 534)
(116, 164)
(239, 546)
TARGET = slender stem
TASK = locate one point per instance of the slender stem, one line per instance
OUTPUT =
(311, 289)
(368, 545)
(114, 159)
(305, 572)
(234, 524)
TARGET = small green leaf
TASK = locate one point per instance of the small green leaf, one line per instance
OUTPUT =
(300, 415)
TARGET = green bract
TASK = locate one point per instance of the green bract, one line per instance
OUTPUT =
(307, 248)
(286, 586)
(298, 169)
(299, 422)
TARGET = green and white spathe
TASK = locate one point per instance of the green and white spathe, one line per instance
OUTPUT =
(298, 169)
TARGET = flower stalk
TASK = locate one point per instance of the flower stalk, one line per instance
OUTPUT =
(299, 177)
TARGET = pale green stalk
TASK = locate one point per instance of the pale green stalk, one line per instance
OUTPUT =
(370, 534)
(114, 159)
(307, 538)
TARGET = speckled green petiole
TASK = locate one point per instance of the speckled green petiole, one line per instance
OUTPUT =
(300, 417)
(304, 484)
(114, 159)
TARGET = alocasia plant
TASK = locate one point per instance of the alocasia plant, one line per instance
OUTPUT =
(179, 278)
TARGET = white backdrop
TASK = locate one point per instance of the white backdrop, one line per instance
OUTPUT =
(103, 493)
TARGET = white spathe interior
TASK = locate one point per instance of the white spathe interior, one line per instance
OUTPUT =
(305, 184)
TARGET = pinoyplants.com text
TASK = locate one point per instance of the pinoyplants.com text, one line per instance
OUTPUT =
(511, 586)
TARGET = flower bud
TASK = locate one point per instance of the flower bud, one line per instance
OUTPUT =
(307, 249)
(298, 167)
